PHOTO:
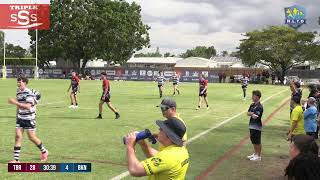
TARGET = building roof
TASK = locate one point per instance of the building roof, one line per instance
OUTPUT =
(153, 60)
(196, 62)
(96, 63)
(225, 59)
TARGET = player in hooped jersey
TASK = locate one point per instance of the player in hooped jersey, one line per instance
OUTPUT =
(160, 80)
(203, 89)
(175, 81)
(75, 85)
(26, 101)
(245, 82)
(106, 96)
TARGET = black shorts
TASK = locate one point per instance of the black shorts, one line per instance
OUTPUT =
(312, 134)
(255, 136)
(244, 87)
(203, 93)
(160, 85)
(105, 98)
(26, 124)
(175, 84)
(74, 90)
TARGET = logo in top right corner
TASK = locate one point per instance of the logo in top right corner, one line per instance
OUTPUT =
(295, 16)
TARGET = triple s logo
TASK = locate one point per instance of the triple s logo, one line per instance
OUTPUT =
(25, 16)
(295, 16)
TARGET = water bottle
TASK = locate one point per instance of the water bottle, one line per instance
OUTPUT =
(143, 135)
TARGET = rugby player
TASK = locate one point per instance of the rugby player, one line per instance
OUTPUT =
(160, 80)
(203, 88)
(106, 96)
(245, 82)
(75, 85)
(175, 81)
(26, 102)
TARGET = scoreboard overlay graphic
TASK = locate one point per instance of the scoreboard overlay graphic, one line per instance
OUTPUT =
(49, 167)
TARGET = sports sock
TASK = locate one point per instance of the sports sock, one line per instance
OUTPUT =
(42, 148)
(16, 153)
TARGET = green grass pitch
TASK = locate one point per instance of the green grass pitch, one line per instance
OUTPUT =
(73, 135)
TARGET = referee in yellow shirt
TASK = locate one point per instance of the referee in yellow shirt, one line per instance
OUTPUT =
(170, 163)
(296, 119)
(168, 109)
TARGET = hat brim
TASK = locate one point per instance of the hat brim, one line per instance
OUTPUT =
(172, 136)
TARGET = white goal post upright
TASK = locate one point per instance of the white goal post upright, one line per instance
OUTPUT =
(36, 67)
(4, 69)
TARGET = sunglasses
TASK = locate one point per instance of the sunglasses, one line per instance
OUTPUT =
(164, 107)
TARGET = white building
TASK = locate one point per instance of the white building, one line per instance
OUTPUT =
(195, 62)
(153, 62)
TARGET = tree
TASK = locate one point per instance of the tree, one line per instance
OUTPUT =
(224, 53)
(167, 54)
(280, 48)
(200, 51)
(234, 54)
(1, 44)
(88, 29)
(15, 51)
(155, 54)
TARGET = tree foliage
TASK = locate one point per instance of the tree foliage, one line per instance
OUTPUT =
(155, 54)
(280, 48)
(88, 29)
(200, 51)
(167, 54)
(13, 51)
(224, 53)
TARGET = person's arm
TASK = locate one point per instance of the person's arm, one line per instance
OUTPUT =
(69, 88)
(205, 87)
(257, 113)
(293, 87)
(295, 117)
(147, 150)
(134, 166)
(291, 129)
(306, 113)
(78, 81)
(249, 113)
(20, 105)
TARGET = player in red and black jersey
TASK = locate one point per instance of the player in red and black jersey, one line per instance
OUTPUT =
(203, 88)
(105, 98)
(75, 85)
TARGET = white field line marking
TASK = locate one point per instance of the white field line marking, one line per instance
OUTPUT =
(125, 174)
(58, 102)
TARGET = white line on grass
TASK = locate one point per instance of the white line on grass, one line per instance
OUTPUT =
(125, 174)
(58, 102)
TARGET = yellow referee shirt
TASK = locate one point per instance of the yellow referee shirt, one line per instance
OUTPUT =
(171, 163)
(297, 116)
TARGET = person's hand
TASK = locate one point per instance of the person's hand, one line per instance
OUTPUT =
(131, 139)
(155, 136)
(12, 101)
(254, 116)
(250, 113)
(289, 138)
